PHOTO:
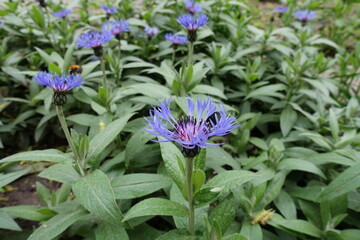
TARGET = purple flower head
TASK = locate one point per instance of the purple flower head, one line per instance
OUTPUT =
(176, 39)
(192, 23)
(204, 120)
(116, 27)
(281, 9)
(151, 31)
(60, 83)
(2, 24)
(305, 15)
(62, 13)
(93, 39)
(109, 10)
(192, 6)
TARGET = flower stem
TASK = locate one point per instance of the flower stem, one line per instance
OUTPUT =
(190, 54)
(65, 128)
(189, 172)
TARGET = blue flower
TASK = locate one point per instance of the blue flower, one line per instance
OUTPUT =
(60, 83)
(151, 31)
(204, 120)
(62, 13)
(192, 6)
(109, 10)
(282, 9)
(116, 27)
(176, 39)
(93, 39)
(305, 15)
(192, 23)
(2, 24)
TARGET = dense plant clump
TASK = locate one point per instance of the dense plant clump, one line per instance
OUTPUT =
(203, 120)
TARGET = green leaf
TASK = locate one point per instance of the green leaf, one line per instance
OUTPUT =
(94, 192)
(28, 212)
(83, 119)
(135, 144)
(169, 153)
(334, 125)
(38, 17)
(286, 205)
(200, 159)
(138, 184)
(251, 231)
(58, 224)
(45, 57)
(224, 213)
(288, 118)
(343, 183)
(209, 90)
(235, 236)
(10, 177)
(198, 180)
(230, 179)
(296, 225)
(62, 172)
(268, 90)
(106, 231)
(157, 206)
(49, 155)
(176, 234)
(300, 165)
(6, 222)
(106, 136)
(68, 57)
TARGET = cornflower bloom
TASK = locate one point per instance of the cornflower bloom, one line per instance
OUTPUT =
(94, 39)
(204, 120)
(304, 15)
(59, 83)
(151, 31)
(192, 24)
(281, 9)
(116, 27)
(192, 6)
(109, 10)
(176, 39)
(62, 13)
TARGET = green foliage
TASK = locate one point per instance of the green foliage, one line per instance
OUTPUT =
(289, 171)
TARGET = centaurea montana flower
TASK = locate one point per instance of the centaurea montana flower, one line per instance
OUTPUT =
(94, 39)
(176, 39)
(151, 31)
(282, 9)
(109, 10)
(59, 83)
(192, 6)
(62, 13)
(192, 24)
(305, 15)
(204, 120)
(116, 27)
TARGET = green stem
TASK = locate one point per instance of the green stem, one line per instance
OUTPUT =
(189, 172)
(190, 54)
(65, 128)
